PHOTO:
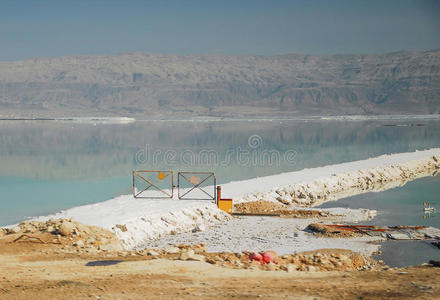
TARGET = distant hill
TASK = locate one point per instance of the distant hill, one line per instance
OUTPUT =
(154, 85)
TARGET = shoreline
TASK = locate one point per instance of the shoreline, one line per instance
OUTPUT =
(117, 119)
(146, 220)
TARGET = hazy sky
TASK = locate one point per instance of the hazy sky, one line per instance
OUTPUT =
(55, 28)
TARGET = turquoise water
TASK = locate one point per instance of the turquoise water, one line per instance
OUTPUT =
(46, 166)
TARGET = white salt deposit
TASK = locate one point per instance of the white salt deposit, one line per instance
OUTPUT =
(146, 220)
(283, 235)
(312, 187)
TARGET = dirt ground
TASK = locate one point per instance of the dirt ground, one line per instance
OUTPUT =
(262, 207)
(31, 270)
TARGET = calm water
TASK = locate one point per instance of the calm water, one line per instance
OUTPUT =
(402, 206)
(46, 166)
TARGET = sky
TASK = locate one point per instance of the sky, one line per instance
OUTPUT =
(47, 28)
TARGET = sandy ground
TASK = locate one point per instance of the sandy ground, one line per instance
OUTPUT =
(48, 268)
(32, 275)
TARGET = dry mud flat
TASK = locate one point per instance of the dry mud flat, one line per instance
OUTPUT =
(47, 260)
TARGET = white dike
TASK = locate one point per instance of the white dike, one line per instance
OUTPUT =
(148, 220)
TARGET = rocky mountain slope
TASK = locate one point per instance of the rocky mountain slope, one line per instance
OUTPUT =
(154, 85)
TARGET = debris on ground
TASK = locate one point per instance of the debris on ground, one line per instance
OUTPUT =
(319, 260)
(389, 232)
(270, 208)
(264, 257)
(64, 237)
(71, 235)
(323, 230)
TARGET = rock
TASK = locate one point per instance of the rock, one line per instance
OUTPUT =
(27, 227)
(283, 200)
(199, 228)
(271, 266)
(218, 258)
(152, 253)
(190, 255)
(291, 268)
(211, 261)
(186, 255)
(171, 250)
(66, 229)
(2, 232)
(82, 228)
(91, 250)
(197, 257)
(254, 266)
(337, 263)
(122, 227)
(15, 229)
(343, 258)
(79, 244)
(312, 268)
(91, 240)
(110, 248)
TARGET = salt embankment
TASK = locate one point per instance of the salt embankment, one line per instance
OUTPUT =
(312, 187)
(137, 222)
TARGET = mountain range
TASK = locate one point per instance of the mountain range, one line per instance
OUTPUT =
(164, 85)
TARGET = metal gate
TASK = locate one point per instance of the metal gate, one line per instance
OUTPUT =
(196, 185)
(160, 184)
(153, 184)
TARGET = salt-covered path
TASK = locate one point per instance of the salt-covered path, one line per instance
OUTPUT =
(283, 235)
(138, 221)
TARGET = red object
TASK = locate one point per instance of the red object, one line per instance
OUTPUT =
(256, 256)
(267, 257)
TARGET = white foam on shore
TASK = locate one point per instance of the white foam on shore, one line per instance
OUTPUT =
(148, 219)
